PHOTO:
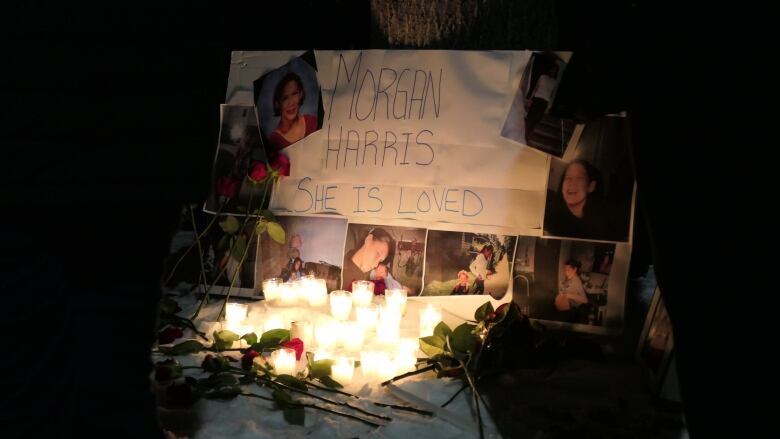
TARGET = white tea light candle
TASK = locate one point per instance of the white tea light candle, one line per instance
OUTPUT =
(304, 330)
(396, 297)
(367, 316)
(353, 336)
(283, 361)
(235, 313)
(340, 304)
(362, 292)
(317, 292)
(342, 370)
(429, 318)
(271, 288)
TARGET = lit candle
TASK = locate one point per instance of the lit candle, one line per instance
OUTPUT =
(340, 304)
(273, 321)
(387, 330)
(353, 336)
(343, 370)
(368, 364)
(288, 294)
(389, 312)
(317, 292)
(271, 288)
(326, 334)
(429, 318)
(235, 313)
(396, 297)
(284, 361)
(303, 330)
(322, 354)
(385, 367)
(367, 316)
(362, 292)
(406, 357)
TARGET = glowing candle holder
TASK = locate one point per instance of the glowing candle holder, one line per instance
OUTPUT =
(367, 316)
(304, 330)
(389, 312)
(317, 292)
(387, 331)
(284, 361)
(288, 294)
(343, 370)
(235, 313)
(353, 336)
(385, 367)
(273, 321)
(326, 334)
(362, 292)
(368, 364)
(340, 304)
(322, 354)
(271, 288)
(396, 297)
(406, 356)
(429, 318)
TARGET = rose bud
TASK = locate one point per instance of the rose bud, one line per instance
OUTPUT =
(258, 171)
(169, 335)
(167, 370)
(281, 164)
(248, 358)
(214, 364)
(296, 344)
(227, 187)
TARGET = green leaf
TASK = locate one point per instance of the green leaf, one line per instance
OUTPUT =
(223, 393)
(239, 248)
(320, 368)
(260, 227)
(442, 330)
(218, 380)
(432, 345)
(268, 215)
(294, 415)
(483, 311)
(224, 339)
(276, 232)
(291, 381)
(281, 398)
(224, 242)
(462, 338)
(229, 225)
(250, 338)
(247, 379)
(330, 382)
(183, 348)
(272, 339)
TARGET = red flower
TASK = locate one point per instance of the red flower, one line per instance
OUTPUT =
(258, 171)
(227, 187)
(167, 370)
(379, 286)
(169, 334)
(281, 164)
(248, 359)
(296, 344)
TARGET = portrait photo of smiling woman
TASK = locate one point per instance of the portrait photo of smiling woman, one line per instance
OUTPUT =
(590, 192)
(289, 103)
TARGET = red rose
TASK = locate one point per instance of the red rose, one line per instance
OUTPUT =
(167, 370)
(258, 171)
(227, 187)
(248, 359)
(169, 334)
(214, 364)
(281, 164)
(296, 344)
(379, 286)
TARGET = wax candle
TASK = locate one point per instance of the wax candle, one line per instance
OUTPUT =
(288, 294)
(303, 330)
(235, 313)
(326, 334)
(368, 364)
(342, 370)
(340, 304)
(367, 316)
(396, 297)
(385, 367)
(387, 331)
(353, 336)
(322, 354)
(389, 312)
(283, 361)
(429, 318)
(271, 288)
(273, 321)
(362, 292)
(317, 292)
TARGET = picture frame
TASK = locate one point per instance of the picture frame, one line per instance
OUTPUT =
(655, 348)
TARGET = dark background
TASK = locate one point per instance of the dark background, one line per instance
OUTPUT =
(100, 152)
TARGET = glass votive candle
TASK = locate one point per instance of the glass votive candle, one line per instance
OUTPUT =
(235, 313)
(271, 288)
(343, 369)
(367, 316)
(368, 364)
(317, 292)
(405, 361)
(385, 367)
(353, 336)
(362, 292)
(389, 312)
(340, 304)
(396, 297)
(284, 361)
(326, 334)
(288, 294)
(429, 318)
(322, 354)
(273, 321)
(387, 331)
(303, 330)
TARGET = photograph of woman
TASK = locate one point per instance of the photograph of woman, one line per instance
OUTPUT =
(289, 102)
(590, 194)
(373, 252)
(461, 263)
